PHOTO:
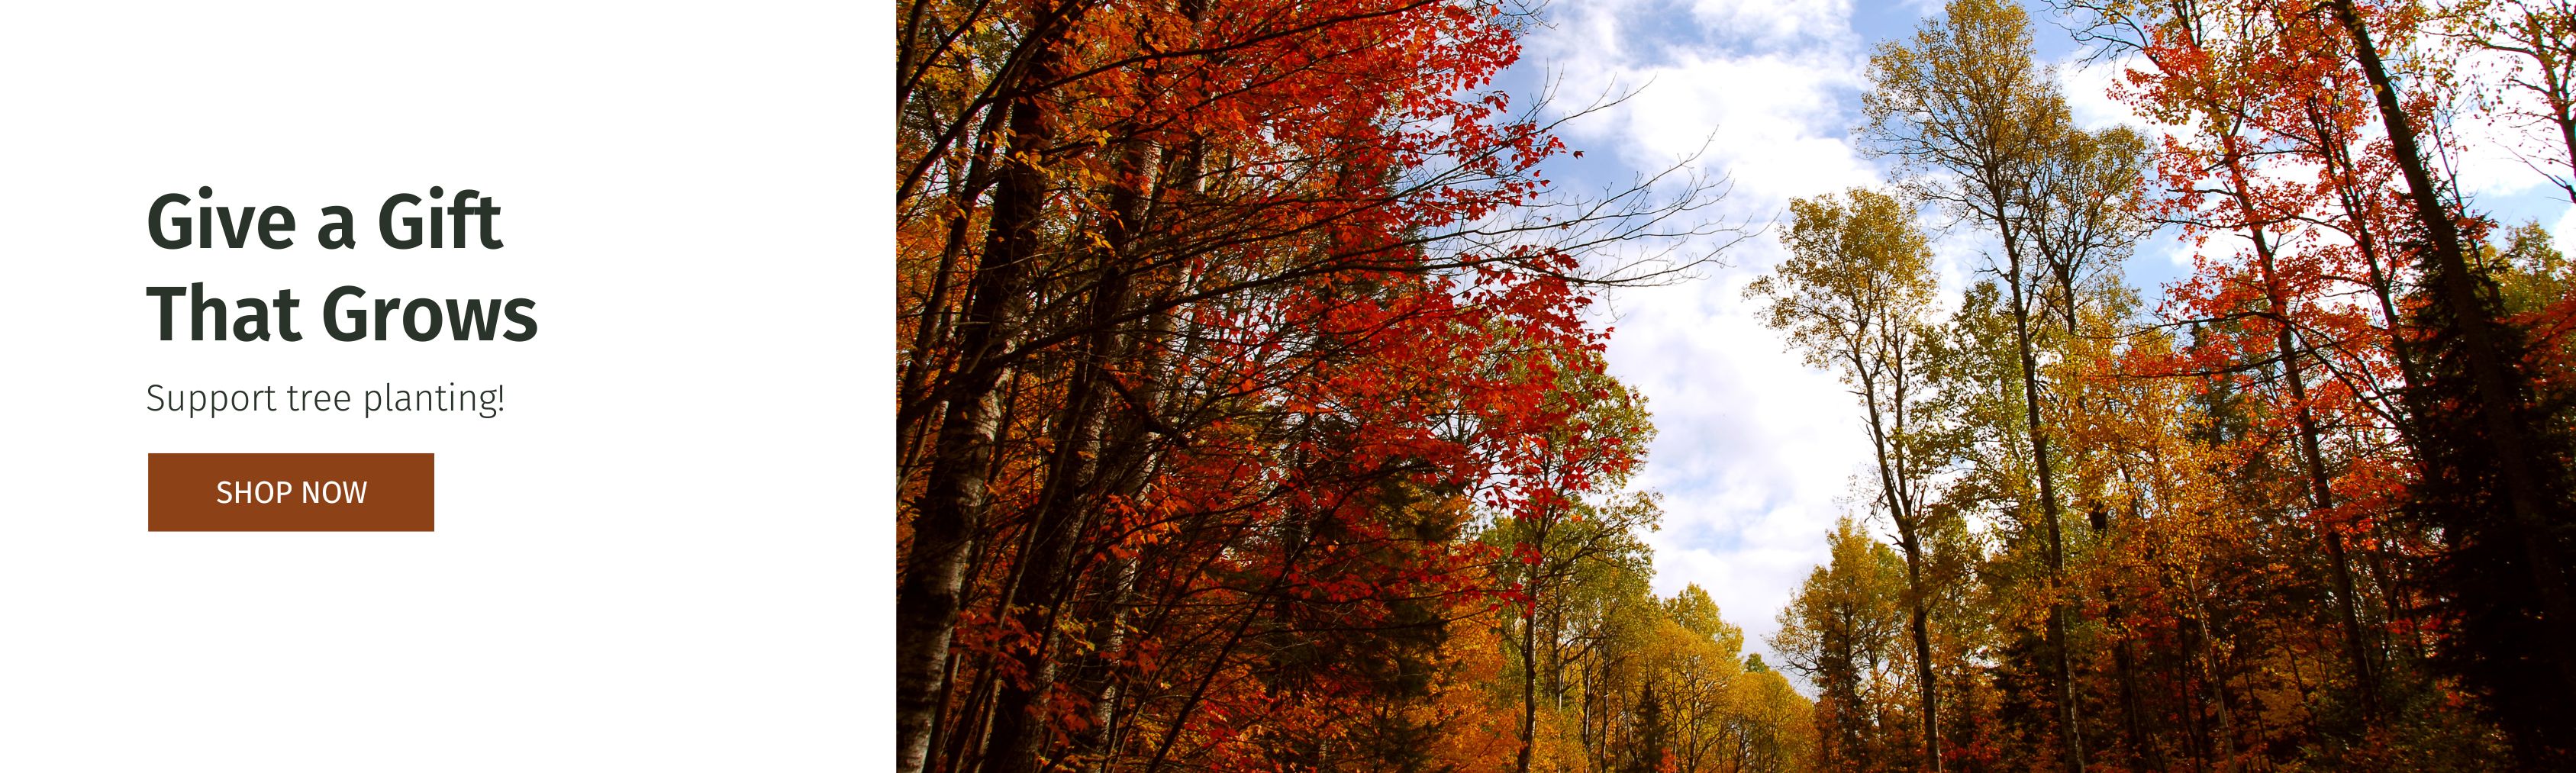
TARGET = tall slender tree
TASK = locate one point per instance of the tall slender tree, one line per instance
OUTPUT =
(2496, 469)
(1856, 295)
(1971, 117)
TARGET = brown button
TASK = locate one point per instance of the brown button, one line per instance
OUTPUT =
(292, 492)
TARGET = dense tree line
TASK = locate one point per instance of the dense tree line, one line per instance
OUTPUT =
(1251, 413)
(1250, 416)
(2309, 509)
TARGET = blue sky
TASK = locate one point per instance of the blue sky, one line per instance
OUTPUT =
(1756, 453)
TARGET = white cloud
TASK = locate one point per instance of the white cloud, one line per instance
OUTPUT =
(1774, 120)
(1753, 450)
(2088, 85)
(1770, 23)
(2563, 231)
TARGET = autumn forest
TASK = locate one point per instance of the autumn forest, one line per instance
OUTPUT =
(1255, 412)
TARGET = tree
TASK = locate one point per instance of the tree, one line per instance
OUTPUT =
(1695, 660)
(1856, 294)
(2539, 36)
(1654, 751)
(2496, 480)
(1840, 631)
(2276, 293)
(1972, 118)
(1163, 273)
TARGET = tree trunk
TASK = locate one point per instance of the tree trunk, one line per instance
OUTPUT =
(2211, 681)
(2070, 736)
(914, 384)
(1907, 532)
(2145, 750)
(950, 512)
(1923, 660)
(1529, 674)
(1048, 569)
